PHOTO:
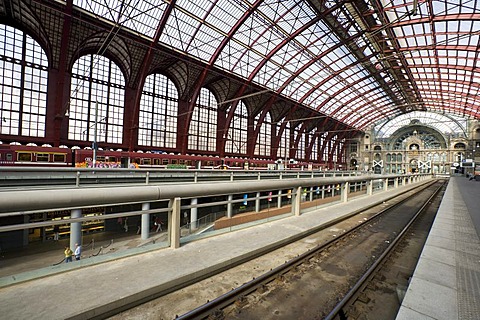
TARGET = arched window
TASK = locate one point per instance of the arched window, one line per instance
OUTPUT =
(98, 86)
(333, 148)
(324, 144)
(300, 150)
(202, 134)
(284, 144)
(264, 138)
(399, 157)
(236, 140)
(314, 153)
(157, 126)
(23, 89)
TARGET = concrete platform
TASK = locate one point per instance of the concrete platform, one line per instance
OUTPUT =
(93, 290)
(446, 282)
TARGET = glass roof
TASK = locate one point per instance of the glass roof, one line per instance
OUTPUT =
(446, 124)
(357, 62)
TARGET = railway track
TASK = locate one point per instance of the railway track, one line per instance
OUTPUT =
(308, 286)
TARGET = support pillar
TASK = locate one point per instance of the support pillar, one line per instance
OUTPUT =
(174, 225)
(385, 184)
(395, 183)
(230, 206)
(369, 187)
(296, 198)
(279, 199)
(344, 191)
(75, 228)
(193, 213)
(145, 223)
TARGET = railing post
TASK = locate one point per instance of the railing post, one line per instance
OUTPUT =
(174, 226)
(77, 179)
(344, 191)
(279, 199)
(195, 177)
(370, 187)
(229, 206)
(147, 177)
(145, 223)
(193, 213)
(296, 198)
(257, 202)
(231, 176)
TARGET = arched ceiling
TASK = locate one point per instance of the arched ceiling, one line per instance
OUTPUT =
(356, 61)
(446, 124)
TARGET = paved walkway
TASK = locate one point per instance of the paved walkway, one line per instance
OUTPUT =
(446, 282)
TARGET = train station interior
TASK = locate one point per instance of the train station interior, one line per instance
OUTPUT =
(255, 110)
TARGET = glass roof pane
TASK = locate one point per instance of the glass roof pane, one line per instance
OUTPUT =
(447, 124)
(142, 17)
(431, 56)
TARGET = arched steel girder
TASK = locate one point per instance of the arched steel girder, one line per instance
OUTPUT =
(201, 79)
(207, 12)
(293, 77)
(257, 69)
(272, 53)
(452, 119)
(454, 105)
(455, 81)
(459, 110)
(367, 120)
(436, 47)
(430, 105)
(274, 23)
(353, 99)
(145, 68)
(331, 96)
(437, 18)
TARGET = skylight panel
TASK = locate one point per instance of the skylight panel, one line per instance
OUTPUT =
(143, 18)
(109, 11)
(205, 43)
(225, 17)
(179, 30)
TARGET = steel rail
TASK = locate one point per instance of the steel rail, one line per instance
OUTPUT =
(338, 309)
(248, 287)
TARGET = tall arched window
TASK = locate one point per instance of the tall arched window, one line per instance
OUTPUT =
(300, 149)
(23, 89)
(157, 126)
(264, 138)
(284, 144)
(314, 153)
(202, 133)
(333, 147)
(236, 140)
(98, 86)
(325, 145)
